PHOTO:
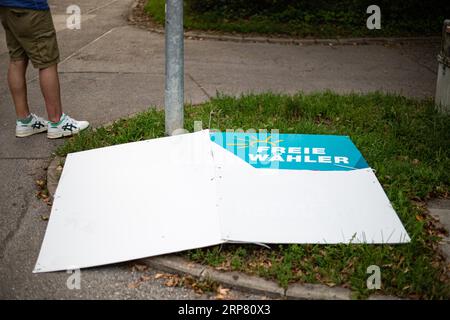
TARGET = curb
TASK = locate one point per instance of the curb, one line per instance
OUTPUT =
(439, 209)
(244, 282)
(237, 280)
(254, 284)
(203, 35)
(53, 174)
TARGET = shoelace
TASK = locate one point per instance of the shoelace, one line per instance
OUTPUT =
(37, 124)
(70, 125)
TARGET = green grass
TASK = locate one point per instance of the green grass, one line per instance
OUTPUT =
(321, 22)
(406, 141)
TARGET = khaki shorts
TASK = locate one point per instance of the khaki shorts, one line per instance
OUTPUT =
(30, 34)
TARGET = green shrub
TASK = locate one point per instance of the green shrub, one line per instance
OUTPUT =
(315, 18)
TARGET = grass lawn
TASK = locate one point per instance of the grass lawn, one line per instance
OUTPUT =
(406, 141)
(321, 21)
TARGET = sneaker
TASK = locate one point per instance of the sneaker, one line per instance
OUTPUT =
(34, 125)
(65, 127)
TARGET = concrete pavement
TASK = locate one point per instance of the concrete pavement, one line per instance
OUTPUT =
(110, 70)
(440, 210)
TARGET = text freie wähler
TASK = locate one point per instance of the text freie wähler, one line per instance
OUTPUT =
(266, 154)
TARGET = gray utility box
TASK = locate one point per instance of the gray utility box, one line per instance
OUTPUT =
(443, 79)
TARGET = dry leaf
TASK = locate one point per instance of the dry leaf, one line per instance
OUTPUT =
(145, 278)
(40, 183)
(222, 268)
(223, 291)
(400, 261)
(140, 267)
(172, 282)
(134, 285)
(198, 290)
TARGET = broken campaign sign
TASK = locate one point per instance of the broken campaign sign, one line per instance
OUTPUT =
(200, 189)
(131, 201)
(294, 188)
(293, 151)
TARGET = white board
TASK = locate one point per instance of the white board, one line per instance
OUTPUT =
(132, 201)
(259, 205)
(290, 206)
(183, 192)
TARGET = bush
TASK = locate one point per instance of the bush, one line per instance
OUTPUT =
(398, 9)
(416, 15)
(317, 18)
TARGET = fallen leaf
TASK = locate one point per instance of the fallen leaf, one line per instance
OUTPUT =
(134, 285)
(145, 278)
(222, 268)
(139, 267)
(223, 291)
(198, 290)
(400, 261)
(40, 183)
(172, 282)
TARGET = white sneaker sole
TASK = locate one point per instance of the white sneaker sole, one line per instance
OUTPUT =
(29, 133)
(57, 135)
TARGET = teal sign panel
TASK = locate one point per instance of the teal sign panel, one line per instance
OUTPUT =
(292, 151)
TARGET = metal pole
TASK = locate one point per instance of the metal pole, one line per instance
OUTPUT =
(174, 91)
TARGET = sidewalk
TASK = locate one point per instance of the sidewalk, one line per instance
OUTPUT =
(110, 70)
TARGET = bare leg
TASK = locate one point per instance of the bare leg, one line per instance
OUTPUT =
(49, 81)
(18, 87)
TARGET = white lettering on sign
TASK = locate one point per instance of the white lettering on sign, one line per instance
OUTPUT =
(291, 158)
(262, 149)
(341, 160)
(278, 150)
(276, 157)
(258, 157)
(309, 160)
(295, 154)
(324, 159)
(295, 150)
